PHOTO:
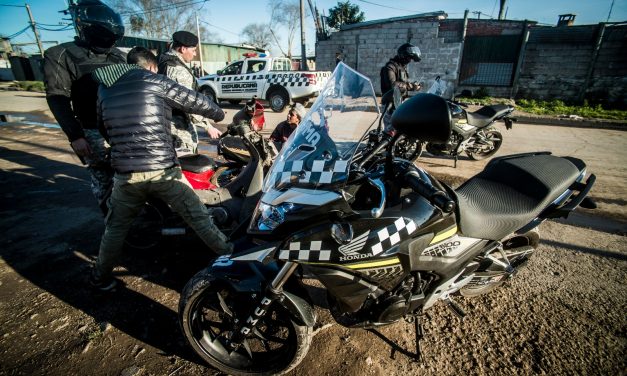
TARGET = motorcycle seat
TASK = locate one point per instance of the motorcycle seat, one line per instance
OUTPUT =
(487, 114)
(196, 163)
(511, 191)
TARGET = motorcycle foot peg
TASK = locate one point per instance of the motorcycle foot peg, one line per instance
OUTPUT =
(456, 309)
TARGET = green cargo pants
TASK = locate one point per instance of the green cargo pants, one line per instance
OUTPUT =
(130, 192)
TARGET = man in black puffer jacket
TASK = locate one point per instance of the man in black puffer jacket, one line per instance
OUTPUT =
(135, 107)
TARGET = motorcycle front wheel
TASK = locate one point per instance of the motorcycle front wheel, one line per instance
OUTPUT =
(486, 147)
(408, 148)
(208, 311)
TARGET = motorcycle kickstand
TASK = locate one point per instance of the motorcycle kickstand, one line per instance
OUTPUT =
(419, 330)
(455, 161)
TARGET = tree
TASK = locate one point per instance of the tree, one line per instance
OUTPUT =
(284, 13)
(257, 34)
(344, 13)
(160, 18)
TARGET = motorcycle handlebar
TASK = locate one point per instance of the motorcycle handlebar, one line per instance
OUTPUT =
(437, 197)
(382, 145)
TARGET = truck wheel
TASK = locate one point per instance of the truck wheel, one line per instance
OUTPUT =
(209, 93)
(278, 99)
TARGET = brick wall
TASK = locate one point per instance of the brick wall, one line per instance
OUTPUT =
(368, 48)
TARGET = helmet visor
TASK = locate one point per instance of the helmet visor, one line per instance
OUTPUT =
(413, 53)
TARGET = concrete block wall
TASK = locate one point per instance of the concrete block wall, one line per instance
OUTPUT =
(552, 71)
(554, 66)
(368, 48)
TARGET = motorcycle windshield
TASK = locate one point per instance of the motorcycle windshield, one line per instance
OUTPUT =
(318, 153)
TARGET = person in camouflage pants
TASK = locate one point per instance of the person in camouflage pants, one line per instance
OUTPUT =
(71, 92)
(174, 65)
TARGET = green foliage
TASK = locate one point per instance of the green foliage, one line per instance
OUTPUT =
(345, 13)
(558, 107)
(30, 86)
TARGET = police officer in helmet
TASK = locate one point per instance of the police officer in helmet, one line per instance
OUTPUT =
(394, 72)
(72, 93)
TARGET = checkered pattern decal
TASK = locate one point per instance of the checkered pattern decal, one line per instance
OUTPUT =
(284, 79)
(321, 172)
(392, 234)
(377, 241)
(305, 251)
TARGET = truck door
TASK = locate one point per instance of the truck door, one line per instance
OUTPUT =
(254, 77)
(229, 86)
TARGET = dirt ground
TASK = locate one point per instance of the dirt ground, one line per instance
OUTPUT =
(562, 314)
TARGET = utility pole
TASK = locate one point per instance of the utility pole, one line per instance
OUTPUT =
(478, 13)
(502, 10)
(34, 27)
(303, 51)
(202, 69)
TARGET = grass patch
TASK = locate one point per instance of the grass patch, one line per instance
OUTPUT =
(37, 86)
(557, 107)
(552, 108)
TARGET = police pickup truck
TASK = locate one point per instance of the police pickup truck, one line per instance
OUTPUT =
(269, 78)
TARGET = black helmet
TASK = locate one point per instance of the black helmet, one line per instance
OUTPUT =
(97, 24)
(409, 52)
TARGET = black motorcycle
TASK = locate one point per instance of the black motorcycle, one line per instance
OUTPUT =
(385, 238)
(473, 133)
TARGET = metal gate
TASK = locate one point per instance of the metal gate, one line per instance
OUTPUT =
(489, 60)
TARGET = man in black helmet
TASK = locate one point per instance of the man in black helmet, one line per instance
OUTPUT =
(394, 74)
(174, 64)
(72, 93)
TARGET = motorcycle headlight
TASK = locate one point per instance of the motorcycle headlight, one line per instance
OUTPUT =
(268, 217)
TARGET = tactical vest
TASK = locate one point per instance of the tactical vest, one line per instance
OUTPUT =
(84, 89)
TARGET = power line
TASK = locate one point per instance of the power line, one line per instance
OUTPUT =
(385, 6)
(164, 7)
(13, 6)
(218, 27)
(17, 33)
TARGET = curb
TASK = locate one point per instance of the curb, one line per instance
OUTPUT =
(599, 124)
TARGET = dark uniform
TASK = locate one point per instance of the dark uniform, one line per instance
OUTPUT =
(72, 93)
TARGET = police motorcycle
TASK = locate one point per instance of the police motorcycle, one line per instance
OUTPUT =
(384, 237)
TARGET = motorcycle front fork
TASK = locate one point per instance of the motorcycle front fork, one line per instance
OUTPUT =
(274, 292)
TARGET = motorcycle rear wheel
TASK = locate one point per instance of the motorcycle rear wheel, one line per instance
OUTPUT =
(145, 232)
(482, 151)
(207, 311)
(517, 249)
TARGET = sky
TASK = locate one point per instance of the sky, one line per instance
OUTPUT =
(227, 18)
